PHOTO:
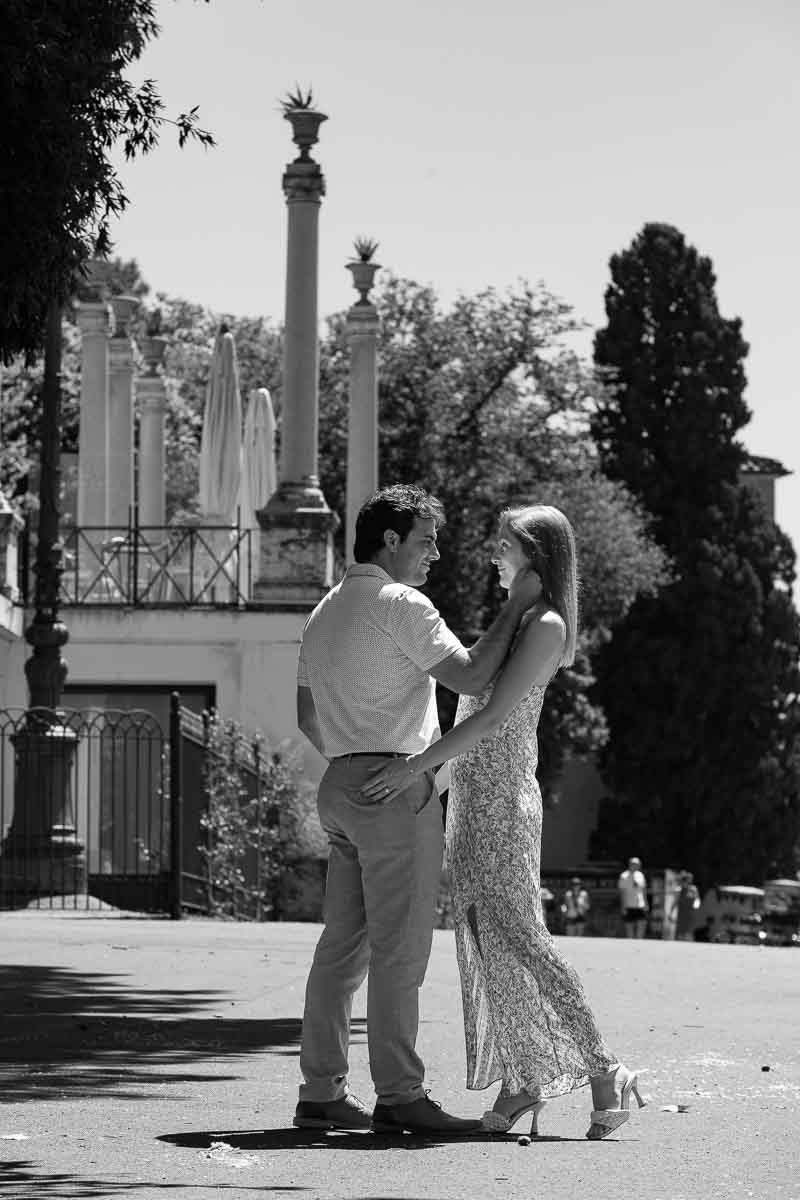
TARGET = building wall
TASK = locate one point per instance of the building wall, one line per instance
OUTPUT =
(10, 642)
(250, 658)
(762, 486)
(567, 828)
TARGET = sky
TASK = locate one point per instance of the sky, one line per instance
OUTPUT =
(485, 143)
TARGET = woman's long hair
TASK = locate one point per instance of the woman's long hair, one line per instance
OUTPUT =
(546, 536)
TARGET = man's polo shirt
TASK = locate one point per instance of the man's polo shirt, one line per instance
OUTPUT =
(366, 652)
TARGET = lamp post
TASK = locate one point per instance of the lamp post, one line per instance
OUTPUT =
(41, 851)
(46, 670)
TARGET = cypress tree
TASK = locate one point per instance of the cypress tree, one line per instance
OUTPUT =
(700, 682)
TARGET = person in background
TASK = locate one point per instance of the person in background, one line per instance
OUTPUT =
(684, 910)
(632, 887)
(575, 907)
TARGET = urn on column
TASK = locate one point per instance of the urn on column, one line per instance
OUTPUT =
(305, 121)
(362, 268)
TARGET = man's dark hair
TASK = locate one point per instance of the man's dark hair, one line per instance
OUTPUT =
(395, 507)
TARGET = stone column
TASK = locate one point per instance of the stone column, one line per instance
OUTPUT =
(152, 399)
(94, 319)
(296, 547)
(10, 527)
(362, 423)
(120, 415)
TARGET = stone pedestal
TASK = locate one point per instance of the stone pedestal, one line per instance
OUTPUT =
(362, 424)
(295, 564)
(152, 400)
(41, 853)
(120, 414)
(296, 560)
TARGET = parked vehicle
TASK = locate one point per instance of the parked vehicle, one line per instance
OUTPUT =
(781, 912)
(732, 913)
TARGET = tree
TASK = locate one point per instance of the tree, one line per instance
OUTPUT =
(66, 104)
(483, 405)
(699, 682)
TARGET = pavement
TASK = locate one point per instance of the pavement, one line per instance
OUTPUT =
(153, 1059)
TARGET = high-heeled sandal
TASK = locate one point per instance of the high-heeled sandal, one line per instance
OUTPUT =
(497, 1122)
(606, 1120)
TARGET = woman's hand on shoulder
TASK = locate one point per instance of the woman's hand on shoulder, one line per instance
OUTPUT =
(526, 587)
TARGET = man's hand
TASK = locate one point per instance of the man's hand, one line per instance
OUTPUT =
(526, 588)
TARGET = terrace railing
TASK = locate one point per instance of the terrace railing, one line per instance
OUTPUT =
(148, 566)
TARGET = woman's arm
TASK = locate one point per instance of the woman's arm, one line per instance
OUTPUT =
(534, 657)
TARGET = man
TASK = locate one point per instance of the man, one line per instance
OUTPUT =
(632, 887)
(576, 907)
(370, 654)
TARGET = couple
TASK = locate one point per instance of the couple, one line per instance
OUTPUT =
(370, 654)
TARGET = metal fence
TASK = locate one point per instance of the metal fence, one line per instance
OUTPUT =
(105, 807)
(149, 566)
(86, 814)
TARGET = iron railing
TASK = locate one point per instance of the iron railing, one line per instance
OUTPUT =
(150, 566)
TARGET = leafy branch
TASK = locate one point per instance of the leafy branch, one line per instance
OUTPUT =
(297, 100)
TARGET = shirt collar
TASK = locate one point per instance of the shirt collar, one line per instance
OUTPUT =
(356, 570)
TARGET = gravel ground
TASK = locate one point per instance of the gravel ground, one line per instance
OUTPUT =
(152, 1059)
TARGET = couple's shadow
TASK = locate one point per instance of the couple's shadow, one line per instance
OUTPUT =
(290, 1138)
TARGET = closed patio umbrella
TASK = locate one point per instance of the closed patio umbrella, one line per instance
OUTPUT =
(221, 444)
(259, 473)
(220, 474)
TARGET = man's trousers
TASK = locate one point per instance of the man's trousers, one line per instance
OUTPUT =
(380, 904)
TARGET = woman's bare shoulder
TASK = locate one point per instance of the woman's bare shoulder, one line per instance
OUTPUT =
(541, 639)
(545, 618)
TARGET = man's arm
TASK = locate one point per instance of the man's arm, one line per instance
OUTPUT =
(470, 671)
(307, 720)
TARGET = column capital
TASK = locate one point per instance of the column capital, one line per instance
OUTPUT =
(362, 320)
(303, 182)
(94, 317)
(120, 355)
(151, 393)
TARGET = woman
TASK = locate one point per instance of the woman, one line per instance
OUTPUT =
(526, 1017)
(684, 909)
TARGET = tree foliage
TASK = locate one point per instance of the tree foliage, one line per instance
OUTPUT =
(483, 404)
(699, 682)
(66, 104)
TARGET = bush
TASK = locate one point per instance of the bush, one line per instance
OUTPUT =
(259, 823)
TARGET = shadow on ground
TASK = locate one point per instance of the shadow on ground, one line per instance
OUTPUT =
(316, 1139)
(67, 1034)
(21, 1181)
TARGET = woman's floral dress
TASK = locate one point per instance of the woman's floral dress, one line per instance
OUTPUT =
(526, 1018)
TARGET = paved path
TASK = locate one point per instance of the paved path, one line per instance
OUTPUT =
(151, 1060)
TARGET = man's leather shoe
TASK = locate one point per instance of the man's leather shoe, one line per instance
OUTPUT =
(420, 1116)
(346, 1113)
